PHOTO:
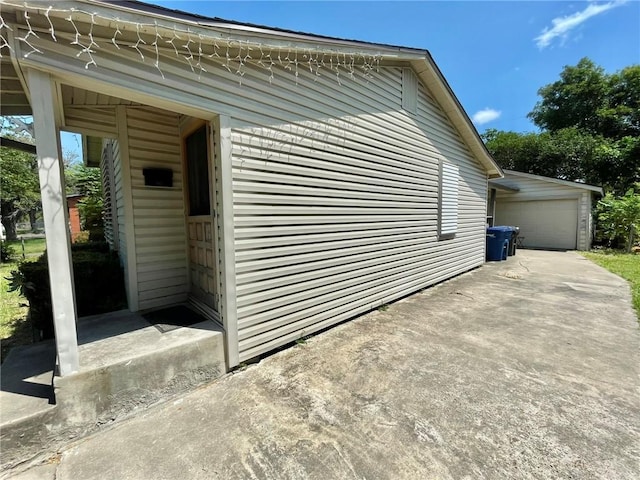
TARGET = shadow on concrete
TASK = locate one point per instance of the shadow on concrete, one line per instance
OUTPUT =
(28, 371)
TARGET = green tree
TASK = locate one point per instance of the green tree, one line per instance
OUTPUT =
(620, 116)
(574, 100)
(615, 164)
(514, 151)
(19, 187)
(587, 98)
(87, 181)
(567, 154)
(590, 123)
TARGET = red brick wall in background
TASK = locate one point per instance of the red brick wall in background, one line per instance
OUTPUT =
(74, 217)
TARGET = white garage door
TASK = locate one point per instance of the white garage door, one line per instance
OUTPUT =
(543, 224)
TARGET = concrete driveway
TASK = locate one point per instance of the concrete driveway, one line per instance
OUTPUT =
(521, 369)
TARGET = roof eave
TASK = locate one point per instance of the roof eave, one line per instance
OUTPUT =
(419, 59)
(585, 186)
(500, 186)
(137, 8)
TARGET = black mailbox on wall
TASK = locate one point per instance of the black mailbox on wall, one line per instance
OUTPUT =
(158, 177)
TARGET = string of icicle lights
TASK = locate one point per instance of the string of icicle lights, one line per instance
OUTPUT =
(200, 52)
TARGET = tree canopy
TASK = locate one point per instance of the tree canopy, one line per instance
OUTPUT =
(87, 181)
(587, 98)
(590, 129)
(19, 187)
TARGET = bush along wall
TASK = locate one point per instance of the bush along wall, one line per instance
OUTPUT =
(98, 280)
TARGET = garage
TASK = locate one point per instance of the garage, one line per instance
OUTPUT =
(552, 214)
(549, 224)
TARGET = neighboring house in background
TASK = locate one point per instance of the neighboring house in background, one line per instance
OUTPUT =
(279, 182)
(75, 226)
(551, 213)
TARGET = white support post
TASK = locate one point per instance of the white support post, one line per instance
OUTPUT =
(227, 240)
(56, 224)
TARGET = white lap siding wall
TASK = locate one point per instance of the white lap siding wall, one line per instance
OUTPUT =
(336, 204)
(151, 138)
(335, 188)
(158, 212)
(119, 199)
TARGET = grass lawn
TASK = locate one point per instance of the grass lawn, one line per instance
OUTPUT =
(626, 265)
(33, 248)
(14, 328)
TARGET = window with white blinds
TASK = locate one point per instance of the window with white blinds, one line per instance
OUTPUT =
(448, 218)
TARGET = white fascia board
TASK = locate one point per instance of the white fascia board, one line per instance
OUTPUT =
(496, 183)
(433, 79)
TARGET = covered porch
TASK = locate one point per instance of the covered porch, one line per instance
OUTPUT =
(100, 368)
(126, 363)
(170, 254)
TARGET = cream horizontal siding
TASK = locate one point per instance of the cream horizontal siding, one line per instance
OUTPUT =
(160, 239)
(335, 188)
(118, 197)
(109, 211)
(336, 208)
(586, 206)
(98, 119)
(83, 97)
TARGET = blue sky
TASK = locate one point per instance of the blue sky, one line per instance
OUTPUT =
(495, 55)
(488, 51)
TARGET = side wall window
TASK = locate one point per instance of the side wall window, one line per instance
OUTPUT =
(448, 218)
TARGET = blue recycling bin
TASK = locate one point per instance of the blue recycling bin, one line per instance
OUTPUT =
(498, 243)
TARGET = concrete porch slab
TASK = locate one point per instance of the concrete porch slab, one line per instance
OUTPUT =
(26, 382)
(26, 397)
(126, 364)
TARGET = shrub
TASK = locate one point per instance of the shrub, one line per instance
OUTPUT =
(618, 219)
(96, 234)
(7, 252)
(81, 237)
(98, 280)
(99, 246)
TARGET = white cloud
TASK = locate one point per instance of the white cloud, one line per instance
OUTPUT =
(485, 116)
(563, 25)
